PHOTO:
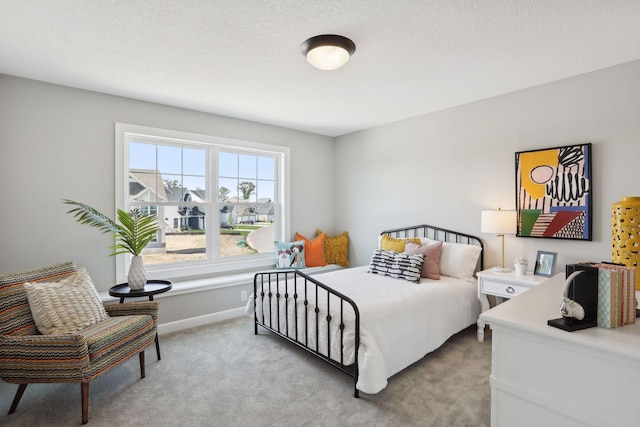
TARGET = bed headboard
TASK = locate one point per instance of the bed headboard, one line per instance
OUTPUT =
(437, 233)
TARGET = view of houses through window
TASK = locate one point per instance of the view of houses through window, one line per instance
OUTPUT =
(173, 180)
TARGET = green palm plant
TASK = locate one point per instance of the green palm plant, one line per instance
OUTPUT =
(133, 233)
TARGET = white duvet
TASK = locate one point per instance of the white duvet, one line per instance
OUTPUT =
(400, 321)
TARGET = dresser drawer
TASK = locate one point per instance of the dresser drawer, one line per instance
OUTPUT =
(501, 289)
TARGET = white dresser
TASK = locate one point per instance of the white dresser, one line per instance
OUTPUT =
(544, 376)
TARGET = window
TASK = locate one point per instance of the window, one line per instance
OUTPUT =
(220, 203)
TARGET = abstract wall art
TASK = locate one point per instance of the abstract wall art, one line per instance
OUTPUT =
(553, 192)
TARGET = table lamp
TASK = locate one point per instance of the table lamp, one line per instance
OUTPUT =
(499, 222)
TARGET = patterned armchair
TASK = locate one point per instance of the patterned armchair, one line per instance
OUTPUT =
(26, 356)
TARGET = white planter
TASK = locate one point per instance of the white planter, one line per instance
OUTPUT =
(521, 268)
(137, 277)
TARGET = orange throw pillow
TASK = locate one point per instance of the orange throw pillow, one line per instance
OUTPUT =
(313, 250)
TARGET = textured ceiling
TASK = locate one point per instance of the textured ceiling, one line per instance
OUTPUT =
(241, 58)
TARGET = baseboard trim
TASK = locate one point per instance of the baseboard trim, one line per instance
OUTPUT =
(192, 322)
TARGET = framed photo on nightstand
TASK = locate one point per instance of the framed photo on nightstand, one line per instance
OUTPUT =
(545, 263)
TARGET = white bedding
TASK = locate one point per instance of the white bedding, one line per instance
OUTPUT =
(400, 321)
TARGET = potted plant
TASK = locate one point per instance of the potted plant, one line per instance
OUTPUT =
(133, 232)
(521, 265)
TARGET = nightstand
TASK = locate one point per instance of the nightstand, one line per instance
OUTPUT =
(502, 285)
(153, 287)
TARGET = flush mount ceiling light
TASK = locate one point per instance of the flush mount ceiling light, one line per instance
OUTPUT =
(328, 51)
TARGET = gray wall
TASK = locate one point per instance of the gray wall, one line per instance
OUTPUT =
(57, 142)
(446, 167)
(441, 168)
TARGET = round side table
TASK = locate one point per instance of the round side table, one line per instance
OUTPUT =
(153, 287)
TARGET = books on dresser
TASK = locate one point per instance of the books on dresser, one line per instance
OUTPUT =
(616, 295)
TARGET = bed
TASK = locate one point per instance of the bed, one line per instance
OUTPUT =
(368, 324)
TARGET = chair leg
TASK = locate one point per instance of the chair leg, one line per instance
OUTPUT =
(158, 347)
(17, 398)
(84, 390)
(141, 354)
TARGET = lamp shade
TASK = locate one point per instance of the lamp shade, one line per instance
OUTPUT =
(328, 51)
(498, 222)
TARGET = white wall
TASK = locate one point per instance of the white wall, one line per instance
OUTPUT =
(57, 142)
(446, 167)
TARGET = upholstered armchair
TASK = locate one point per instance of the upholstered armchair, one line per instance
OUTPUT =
(28, 356)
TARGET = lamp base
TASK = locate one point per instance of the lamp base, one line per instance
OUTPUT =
(502, 269)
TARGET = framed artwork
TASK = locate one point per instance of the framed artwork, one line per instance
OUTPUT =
(553, 192)
(545, 263)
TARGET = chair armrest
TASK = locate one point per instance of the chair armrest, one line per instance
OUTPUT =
(134, 308)
(43, 358)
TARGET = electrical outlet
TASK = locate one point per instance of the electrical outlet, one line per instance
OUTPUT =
(243, 296)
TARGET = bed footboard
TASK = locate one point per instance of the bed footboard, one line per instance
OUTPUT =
(310, 315)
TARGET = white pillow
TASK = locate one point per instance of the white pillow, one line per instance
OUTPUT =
(459, 259)
(427, 241)
(67, 306)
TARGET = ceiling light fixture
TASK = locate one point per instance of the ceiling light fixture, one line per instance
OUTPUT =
(328, 51)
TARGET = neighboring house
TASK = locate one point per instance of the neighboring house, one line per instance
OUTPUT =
(239, 213)
(266, 213)
(143, 187)
(172, 216)
(185, 217)
(193, 218)
(228, 215)
(247, 214)
(244, 213)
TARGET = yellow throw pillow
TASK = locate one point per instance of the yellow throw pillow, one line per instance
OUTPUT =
(388, 243)
(336, 249)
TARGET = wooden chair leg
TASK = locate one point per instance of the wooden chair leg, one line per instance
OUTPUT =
(141, 354)
(84, 390)
(17, 398)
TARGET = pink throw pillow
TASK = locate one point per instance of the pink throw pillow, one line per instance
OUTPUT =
(431, 252)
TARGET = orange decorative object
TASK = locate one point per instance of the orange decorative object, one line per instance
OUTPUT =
(625, 234)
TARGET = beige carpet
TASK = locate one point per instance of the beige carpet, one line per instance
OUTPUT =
(224, 375)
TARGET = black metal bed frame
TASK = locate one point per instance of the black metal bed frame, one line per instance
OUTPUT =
(284, 286)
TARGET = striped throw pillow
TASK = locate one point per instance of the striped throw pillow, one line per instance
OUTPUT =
(397, 265)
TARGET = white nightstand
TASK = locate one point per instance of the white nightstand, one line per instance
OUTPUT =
(502, 285)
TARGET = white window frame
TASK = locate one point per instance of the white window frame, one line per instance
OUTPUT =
(124, 131)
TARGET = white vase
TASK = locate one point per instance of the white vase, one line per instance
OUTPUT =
(137, 275)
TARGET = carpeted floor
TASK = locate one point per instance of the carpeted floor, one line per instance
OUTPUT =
(224, 375)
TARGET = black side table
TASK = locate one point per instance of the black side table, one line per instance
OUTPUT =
(153, 287)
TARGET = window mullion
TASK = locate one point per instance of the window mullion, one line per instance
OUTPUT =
(213, 222)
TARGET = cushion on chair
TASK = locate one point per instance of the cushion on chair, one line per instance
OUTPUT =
(66, 358)
(114, 332)
(115, 340)
(15, 314)
(67, 306)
